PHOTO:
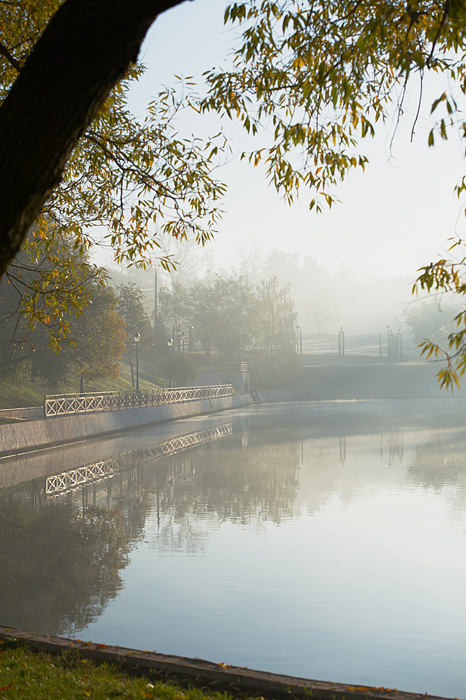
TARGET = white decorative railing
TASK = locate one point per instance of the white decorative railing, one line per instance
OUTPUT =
(93, 473)
(76, 404)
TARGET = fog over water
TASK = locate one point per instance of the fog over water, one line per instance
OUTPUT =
(324, 540)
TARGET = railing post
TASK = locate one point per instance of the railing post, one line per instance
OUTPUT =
(341, 342)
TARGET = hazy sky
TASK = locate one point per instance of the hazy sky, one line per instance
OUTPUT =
(393, 218)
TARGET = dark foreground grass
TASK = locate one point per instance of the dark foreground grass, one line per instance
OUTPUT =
(30, 674)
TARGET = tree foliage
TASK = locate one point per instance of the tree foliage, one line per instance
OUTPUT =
(277, 319)
(35, 308)
(432, 320)
(322, 74)
(127, 177)
(137, 178)
(241, 322)
(322, 310)
(124, 174)
(447, 343)
(70, 71)
(40, 299)
(130, 307)
(99, 337)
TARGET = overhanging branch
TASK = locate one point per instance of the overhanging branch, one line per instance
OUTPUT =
(85, 50)
(11, 59)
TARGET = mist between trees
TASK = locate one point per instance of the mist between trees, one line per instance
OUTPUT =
(228, 315)
(323, 301)
(61, 301)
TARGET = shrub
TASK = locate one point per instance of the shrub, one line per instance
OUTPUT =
(184, 369)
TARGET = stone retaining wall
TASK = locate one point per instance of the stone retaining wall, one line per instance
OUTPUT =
(33, 413)
(37, 434)
(38, 464)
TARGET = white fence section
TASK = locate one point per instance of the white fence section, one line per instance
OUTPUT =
(77, 404)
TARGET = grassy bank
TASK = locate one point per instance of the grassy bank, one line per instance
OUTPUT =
(20, 391)
(17, 392)
(27, 674)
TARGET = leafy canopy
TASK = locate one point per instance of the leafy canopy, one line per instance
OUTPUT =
(321, 74)
(127, 177)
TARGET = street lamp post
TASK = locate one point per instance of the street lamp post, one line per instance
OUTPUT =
(182, 339)
(137, 338)
(170, 344)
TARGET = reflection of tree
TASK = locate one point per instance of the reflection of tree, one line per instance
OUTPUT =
(59, 567)
(439, 462)
(440, 465)
(216, 483)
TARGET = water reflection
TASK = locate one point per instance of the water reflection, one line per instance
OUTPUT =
(65, 538)
(244, 480)
(59, 565)
(295, 539)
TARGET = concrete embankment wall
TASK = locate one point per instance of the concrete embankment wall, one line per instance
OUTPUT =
(329, 378)
(38, 464)
(33, 413)
(36, 434)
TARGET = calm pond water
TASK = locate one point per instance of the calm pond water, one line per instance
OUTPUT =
(325, 540)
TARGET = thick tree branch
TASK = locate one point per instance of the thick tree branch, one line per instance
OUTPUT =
(11, 59)
(86, 48)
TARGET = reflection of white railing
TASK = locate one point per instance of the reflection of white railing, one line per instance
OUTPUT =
(66, 481)
(92, 473)
(73, 404)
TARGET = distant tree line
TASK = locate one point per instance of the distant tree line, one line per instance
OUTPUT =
(239, 321)
(59, 319)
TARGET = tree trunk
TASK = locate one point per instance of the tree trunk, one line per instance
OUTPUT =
(86, 48)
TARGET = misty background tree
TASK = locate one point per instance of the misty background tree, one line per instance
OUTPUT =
(130, 307)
